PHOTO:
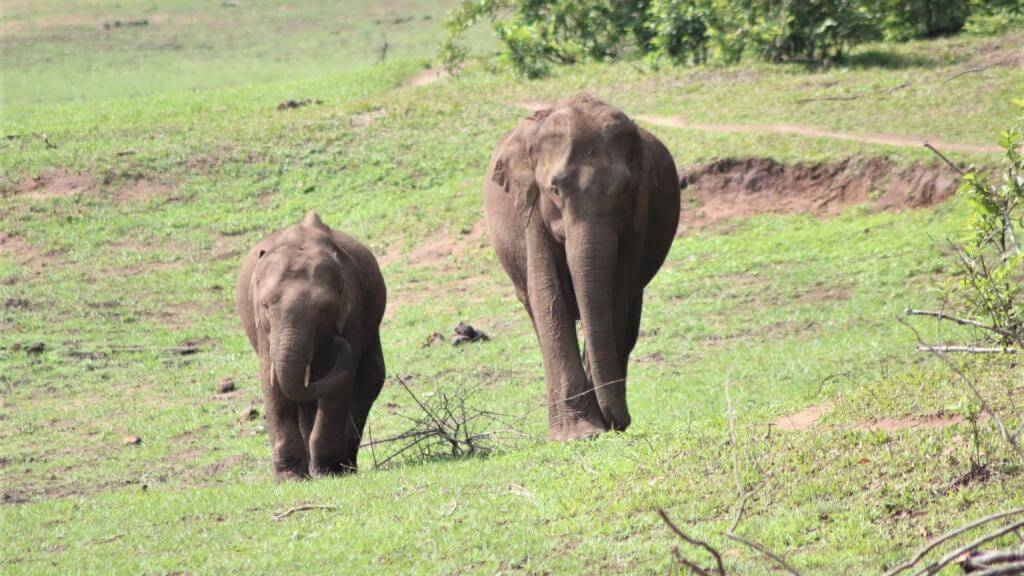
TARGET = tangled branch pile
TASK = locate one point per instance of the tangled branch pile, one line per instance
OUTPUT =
(968, 556)
(445, 425)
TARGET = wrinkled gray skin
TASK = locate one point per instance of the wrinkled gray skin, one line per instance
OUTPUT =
(582, 206)
(311, 301)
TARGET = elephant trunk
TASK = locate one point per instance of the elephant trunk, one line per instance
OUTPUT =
(592, 256)
(291, 366)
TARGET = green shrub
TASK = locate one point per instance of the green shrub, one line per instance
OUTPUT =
(991, 17)
(912, 19)
(538, 33)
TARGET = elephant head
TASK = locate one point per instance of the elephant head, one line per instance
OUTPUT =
(578, 167)
(300, 312)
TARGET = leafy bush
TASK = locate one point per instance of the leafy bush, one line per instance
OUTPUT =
(910, 19)
(989, 17)
(991, 283)
(987, 290)
(538, 33)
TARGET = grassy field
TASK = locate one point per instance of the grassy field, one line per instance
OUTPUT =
(130, 193)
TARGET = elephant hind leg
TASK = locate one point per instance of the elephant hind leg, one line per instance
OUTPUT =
(632, 331)
(369, 382)
(307, 419)
(334, 445)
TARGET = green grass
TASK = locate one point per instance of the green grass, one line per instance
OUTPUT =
(787, 311)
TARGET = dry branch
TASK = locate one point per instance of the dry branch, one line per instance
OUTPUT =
(961, 321)
(942, 348)
(765, 552)
(1010, 438)
(965, 72)
(935, 567)
(853, 96)
(949, 536)
(944, 159)
(444, 425)
(720, 568)
(302, 508)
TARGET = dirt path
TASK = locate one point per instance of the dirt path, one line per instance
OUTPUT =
(798, 130)
(814, 132)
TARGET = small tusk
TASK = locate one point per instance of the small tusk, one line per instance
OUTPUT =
(273, 375)
(307, 375)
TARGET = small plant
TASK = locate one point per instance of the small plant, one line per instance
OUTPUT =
(987, 290)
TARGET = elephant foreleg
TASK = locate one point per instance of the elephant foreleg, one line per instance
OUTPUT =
(573, 411)
(287, 448)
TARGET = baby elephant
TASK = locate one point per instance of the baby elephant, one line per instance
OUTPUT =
(311, 301)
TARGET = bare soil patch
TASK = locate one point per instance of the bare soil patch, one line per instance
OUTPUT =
(62, 183)
(882, 138)
(735, 188)
(467, 290)
(427, 76)
(139, 190)
(439, 254)
(439, 249)
(364, 119)
(54, 183)
(25, 254)
(804, 419)
(809, 417)
(775, 330)
(927, 422)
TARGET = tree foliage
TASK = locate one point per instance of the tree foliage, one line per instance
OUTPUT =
(535, 34)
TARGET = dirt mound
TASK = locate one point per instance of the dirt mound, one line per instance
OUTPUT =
(742, 187)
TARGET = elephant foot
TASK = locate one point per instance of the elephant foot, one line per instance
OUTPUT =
(620, 422)
(318, 470)
(290, 475)
(288, 468)
(578, 430)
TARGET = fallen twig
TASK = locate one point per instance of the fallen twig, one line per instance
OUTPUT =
(935, 567)
(965, 72)
(944, 159)
(852, 96)
(720, 568)
(948, 536)
(766, 552)
(941, 348)
(302, 508)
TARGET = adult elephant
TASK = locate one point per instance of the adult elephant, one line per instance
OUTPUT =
(582, 206)
(311, 301)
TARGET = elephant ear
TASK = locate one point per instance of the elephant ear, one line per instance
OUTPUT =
(648, 181)
(350, 291)
(514, 167)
